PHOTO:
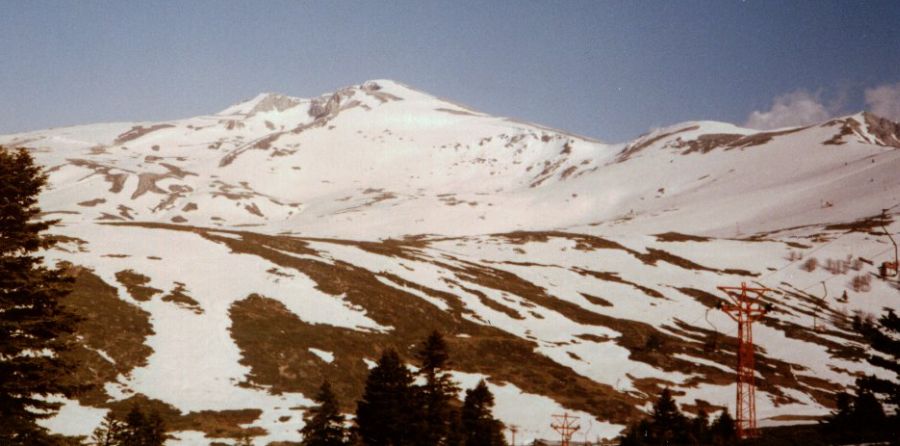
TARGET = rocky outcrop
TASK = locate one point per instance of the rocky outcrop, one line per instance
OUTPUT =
(328, 107)
(886, 131)
(273, 102)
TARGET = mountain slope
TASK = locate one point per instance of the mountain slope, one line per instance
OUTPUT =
(253, 252)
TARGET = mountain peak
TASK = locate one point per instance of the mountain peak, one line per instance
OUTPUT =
(262, 102)
(885, 130)
(867, 127)
(271, 101)
(386, 84)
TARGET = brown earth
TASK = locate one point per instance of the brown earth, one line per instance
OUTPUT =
(274, 342)
(136, 283)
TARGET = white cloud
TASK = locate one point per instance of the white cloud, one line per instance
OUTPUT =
(790, 110)
(884, 101)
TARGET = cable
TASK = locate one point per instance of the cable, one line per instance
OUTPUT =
(715, 340)
(884, 212)
(710, 323)
(803, 290)
(698, 318)
(588, 431)
(759, 281)
(840, 275)
(802, 258)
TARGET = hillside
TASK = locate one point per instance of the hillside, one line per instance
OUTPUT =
(227, 263)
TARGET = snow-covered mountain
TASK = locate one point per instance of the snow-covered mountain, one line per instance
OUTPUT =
(228, 263)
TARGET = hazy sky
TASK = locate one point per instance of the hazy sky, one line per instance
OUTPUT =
(610, 70)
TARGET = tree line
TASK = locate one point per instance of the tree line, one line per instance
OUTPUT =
(137, 429)
(668, 426)
(861, 417)
(393, 410)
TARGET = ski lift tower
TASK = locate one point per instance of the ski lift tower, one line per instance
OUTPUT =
(566, 426)
(745, 310)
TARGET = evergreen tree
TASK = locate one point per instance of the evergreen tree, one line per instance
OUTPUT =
(861, 417)
(637, 434)
(480, 428)
(867, 409)
(142, 429)
(455, 436)
(858, 418)
(387, 414)
(884, 338)
(34, 328)
(843, 409)
(699, 431)
(110, 432)
(155, 432)
(723, 430)
(668, 425)
(438, 393)
(325, 423)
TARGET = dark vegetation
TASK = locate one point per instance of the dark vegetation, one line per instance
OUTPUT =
(35, 328)
(393, 411)
(325, 422)
(861, 417)
(136, 429)
(668, 426)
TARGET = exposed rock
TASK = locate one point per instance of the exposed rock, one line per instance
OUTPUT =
(273, 102)
(887, 131)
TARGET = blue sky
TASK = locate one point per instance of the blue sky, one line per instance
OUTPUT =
(606, 69)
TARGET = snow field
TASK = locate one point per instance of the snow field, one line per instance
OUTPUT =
(195, 363)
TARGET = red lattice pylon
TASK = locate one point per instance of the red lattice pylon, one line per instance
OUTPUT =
(566, 426)
(745, 310)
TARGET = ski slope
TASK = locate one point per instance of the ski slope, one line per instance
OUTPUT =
(285, 239)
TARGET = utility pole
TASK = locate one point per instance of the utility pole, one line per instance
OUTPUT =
(513, 429)
(566, 426)
(745, 310)
(889, 269)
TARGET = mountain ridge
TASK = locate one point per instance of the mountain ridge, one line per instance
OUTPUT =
(292, 239)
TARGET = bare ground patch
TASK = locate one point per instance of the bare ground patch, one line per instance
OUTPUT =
(179, 296)
(103, 314)
(115, 179)
(139, 131)
(678, 237)
(215, 424)
(274, 342)
(92, 203)
(136, 284)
